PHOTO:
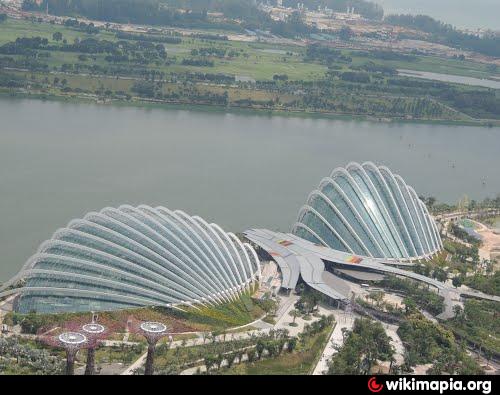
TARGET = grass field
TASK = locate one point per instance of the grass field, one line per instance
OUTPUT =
(257, 63)
(13, 28)
(257, 60)
(301, 85)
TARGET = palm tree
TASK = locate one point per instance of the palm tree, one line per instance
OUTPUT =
(259, 348)
(294, 313)
(209, 361)
(251, 354)
(218, 360)
(240, 356)
(231, 358)
(458, 311)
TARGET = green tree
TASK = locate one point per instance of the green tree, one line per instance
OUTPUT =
(259, 348)
(458, 311)
(210, 361)
(410, 304)
(57, 36)
(456, 281)
(251, 355)
(363, 346)
(294, 313)
(345, 33)
(231, 358)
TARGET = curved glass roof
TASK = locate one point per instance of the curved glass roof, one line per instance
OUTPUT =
(136, 256)
(367, 210)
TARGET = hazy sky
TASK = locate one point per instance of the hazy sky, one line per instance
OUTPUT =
(461, 13)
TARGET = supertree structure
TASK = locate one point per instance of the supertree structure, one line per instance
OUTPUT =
(153, 332)
(72, 342)
(76, 335)
(96, 332)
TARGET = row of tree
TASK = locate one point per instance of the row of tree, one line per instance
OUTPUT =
(426, 342)
(446, 34)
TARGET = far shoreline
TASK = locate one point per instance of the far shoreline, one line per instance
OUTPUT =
(145, 103)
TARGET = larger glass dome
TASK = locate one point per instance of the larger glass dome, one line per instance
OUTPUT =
(368, 210)
(136, 256)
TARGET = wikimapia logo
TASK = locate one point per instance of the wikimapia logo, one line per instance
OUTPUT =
(413, 384)
(373, 386)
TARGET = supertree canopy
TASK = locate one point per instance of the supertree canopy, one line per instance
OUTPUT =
(75, 335)
(70, 341)
(96, 332)
(153, 332)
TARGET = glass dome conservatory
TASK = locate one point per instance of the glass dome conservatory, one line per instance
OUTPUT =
(136, 256)
(368, 210)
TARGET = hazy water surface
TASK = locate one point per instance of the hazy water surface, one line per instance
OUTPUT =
(59, 161)
(457, 79)
(470, 14)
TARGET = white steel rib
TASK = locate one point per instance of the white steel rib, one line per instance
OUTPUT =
(381, 213)
(135, 256)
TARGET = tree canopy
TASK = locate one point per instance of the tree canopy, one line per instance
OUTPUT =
(364, 345)
(446, 34)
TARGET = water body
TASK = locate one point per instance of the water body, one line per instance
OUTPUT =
(469, 14)
(59, 160)
(274, 51)
(457, 79)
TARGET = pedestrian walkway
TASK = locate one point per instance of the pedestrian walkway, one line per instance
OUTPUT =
(343, 320)
(198, 341)
(396, 342)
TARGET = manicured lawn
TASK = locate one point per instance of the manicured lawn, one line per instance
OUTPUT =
(258, 64)
(13, 28)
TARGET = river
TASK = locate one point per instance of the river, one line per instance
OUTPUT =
(61, 160)
(456, 79)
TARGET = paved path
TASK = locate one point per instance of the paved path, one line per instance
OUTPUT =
(336, 340)
(343, 320)
(396, 342)
(283, 322)
(136, 365)
(198, 341)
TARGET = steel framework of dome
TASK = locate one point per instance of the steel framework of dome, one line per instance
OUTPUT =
(131, 257)
(367, 210)
(136, 256)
